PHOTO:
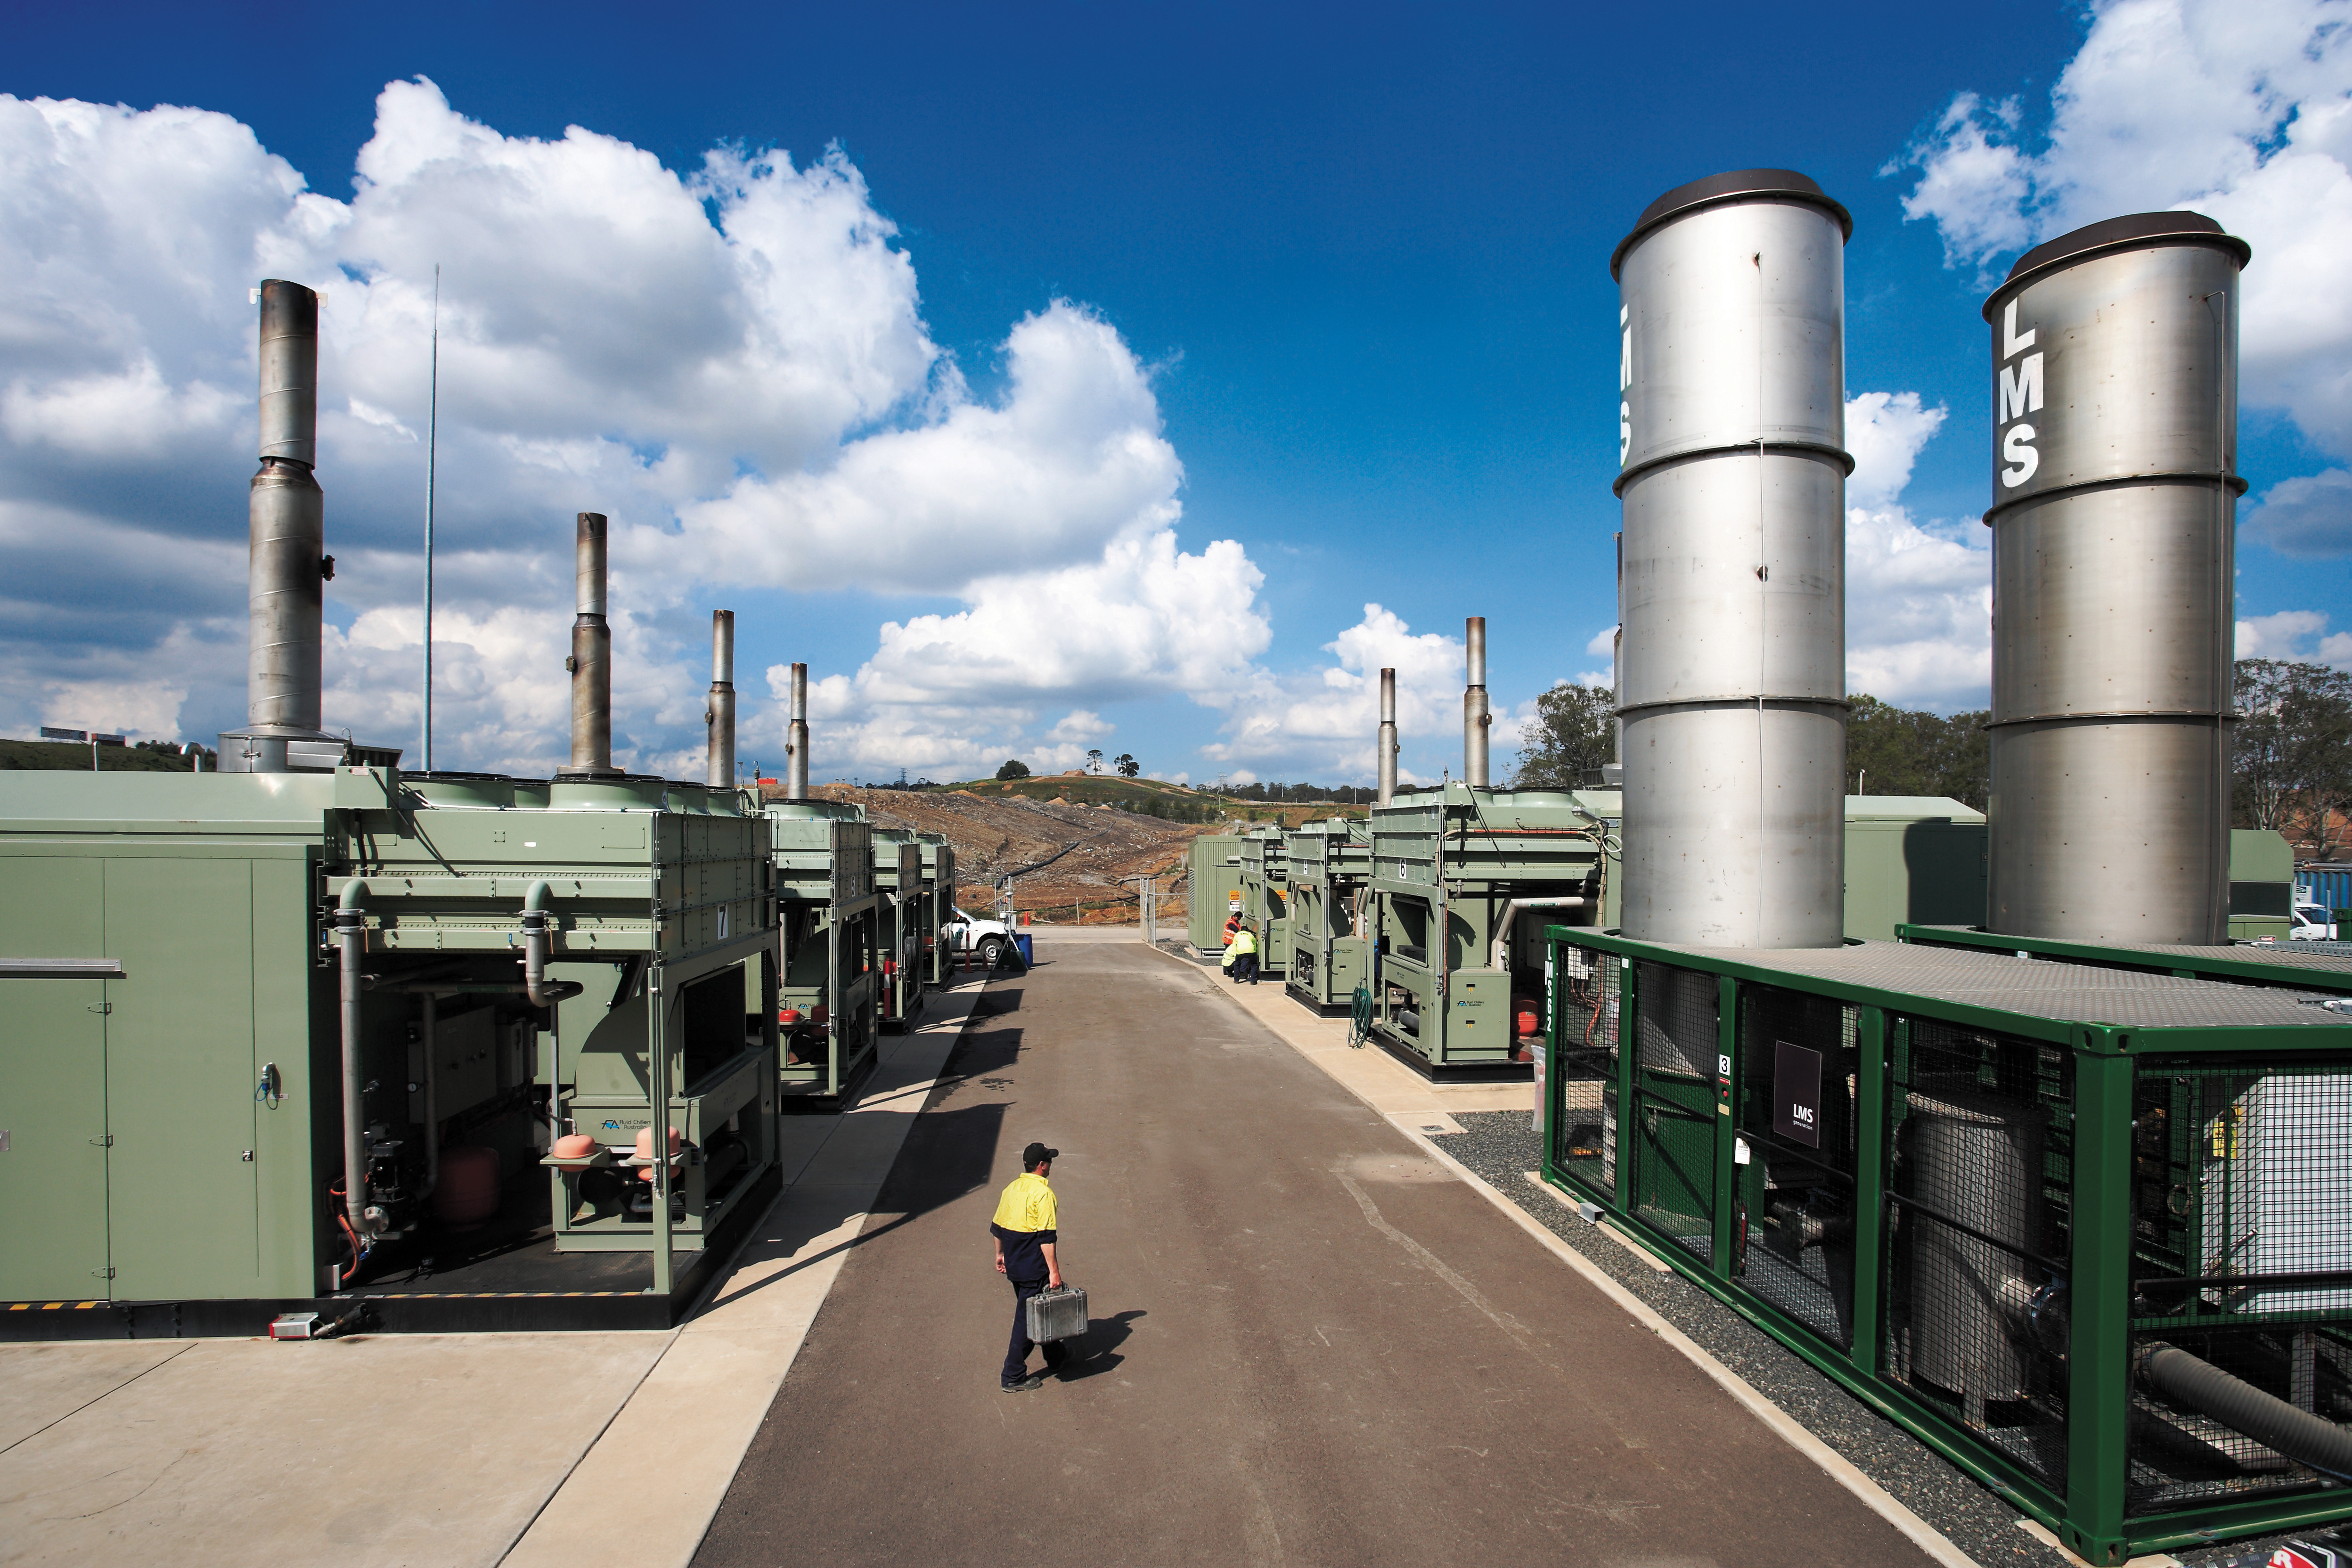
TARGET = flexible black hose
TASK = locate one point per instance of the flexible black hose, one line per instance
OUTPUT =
(2203, 1388)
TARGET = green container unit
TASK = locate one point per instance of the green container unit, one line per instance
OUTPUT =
(660, 910)
(1213, 889)
(1915, 859)
(2079, 1230)
(1266, 897)
(1457, 962)
(939, 907)
(171, 972)
(829, 921)
(161, 933)
(899, 877)
(1330, 955)
(2262, 885)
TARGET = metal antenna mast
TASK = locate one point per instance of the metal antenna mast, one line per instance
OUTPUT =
(432, 450)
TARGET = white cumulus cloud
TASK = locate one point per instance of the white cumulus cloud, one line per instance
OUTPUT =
(1918, 596)
(2298, 635)
(2240, 111)
(2310, 515)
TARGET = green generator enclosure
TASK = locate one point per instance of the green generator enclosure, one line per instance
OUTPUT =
(899, 877)
(829, 930)
(2079, 1229)
(2307, 966)
(1213, 889)
(1265, 896)
(1330, 955)
(1912, 858)
(939, 907)
(221, 987)
(1465, 882)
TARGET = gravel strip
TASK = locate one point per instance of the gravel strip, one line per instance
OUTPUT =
(1502, 1148)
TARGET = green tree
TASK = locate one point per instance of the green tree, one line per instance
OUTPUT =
(1128, 767)
(1093, 761)
(1907, 750)
(1014, 769)
(2292, 753)
(1575, 731)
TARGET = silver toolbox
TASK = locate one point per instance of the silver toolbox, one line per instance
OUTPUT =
(1058, 1315)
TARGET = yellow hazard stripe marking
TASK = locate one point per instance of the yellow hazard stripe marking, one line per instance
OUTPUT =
(52, 1306)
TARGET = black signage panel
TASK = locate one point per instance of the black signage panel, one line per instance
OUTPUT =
(1797, 1094)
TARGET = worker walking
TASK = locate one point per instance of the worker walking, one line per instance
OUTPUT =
(1027, 1239)
(1241, 958)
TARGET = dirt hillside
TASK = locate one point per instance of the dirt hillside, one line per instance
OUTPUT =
(1080, 852)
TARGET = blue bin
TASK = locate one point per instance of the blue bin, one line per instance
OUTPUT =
(1028, 955)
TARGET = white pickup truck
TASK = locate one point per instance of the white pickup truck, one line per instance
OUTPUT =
(968, 931)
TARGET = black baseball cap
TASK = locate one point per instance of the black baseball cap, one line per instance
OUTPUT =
(1035, 1154)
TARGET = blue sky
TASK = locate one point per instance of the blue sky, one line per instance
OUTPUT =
(1357, 256)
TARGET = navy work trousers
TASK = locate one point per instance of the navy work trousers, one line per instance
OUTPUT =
(1016, 1355)
(1245, 969)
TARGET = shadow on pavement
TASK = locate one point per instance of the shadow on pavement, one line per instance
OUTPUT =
(1096, 1351)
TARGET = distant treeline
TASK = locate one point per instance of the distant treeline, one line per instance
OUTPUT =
(1903, 751)
(1294, 793)
(73, 756)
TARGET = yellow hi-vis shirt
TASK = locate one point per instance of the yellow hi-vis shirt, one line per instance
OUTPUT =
(1027, 1205)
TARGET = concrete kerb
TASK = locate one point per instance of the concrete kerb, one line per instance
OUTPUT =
(1782, 1425)
(701, 1402)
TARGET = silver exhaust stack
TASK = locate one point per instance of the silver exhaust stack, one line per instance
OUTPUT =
(796, 742)
(1732, 593)
(719, 714)
(287, 561)
(1476, 718)
(1388, 736)
(2115, 360)
(591, 663)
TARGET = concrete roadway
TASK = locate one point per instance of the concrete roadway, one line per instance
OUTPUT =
(1310, 1342)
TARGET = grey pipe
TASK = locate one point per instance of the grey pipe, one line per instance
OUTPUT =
(1388, 759)
(2305, 1438)
(1476, 718)
(718, 772)
(534, 945)
(1501, 958)
(431, 1030)
(591, 663)
(287, 516)
(350, 935)
(797, 742)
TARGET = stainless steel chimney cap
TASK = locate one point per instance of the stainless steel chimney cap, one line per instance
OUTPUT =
(2116, 234)
(1733, 185)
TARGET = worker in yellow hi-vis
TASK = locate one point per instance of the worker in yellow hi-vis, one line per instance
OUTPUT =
(1027, 1243)
(1241, 958)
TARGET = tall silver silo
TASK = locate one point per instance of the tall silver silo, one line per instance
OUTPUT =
(2114, 525)
(1732, 578)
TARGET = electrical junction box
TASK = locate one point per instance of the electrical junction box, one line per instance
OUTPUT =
(1478, 1008)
